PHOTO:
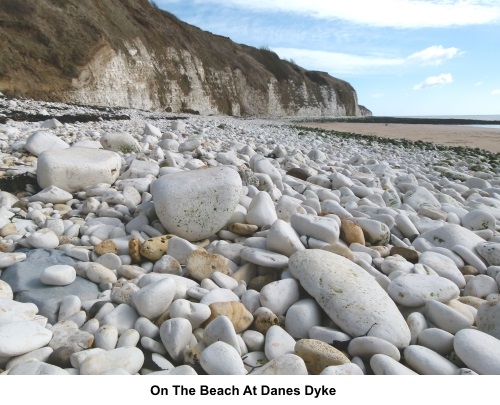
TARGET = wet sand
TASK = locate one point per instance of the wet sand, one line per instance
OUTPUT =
(448, 135)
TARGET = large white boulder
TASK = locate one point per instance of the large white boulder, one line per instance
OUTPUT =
(74, 169)
(198, 203)
(350, 296)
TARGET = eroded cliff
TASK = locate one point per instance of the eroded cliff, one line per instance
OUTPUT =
(128, 53)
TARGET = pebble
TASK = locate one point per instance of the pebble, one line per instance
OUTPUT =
(155, 298)
(301, 317)
(437, 340)
(445, 317)
(21, 337)
(427, 362)
(58, 275)
(414, 290)
(382, 364)
(478, 350)
(130, 359)
(196, 204)
(318, 355)
(261, 211)
(280, 295)
(200, 264)
(350, 296)
(175, 335)
(238, 315)
(222, 359)
(264, 258)
(278, 342)
(367, 346)
(488, 318)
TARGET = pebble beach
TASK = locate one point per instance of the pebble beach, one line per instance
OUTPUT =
(184, 245)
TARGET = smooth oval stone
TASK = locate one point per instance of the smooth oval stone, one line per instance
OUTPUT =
(446, 318)
(58, 274)
(478, 350)
(481, 286)
(443, 266)
(476, 220)
(75, 168)
(196, 204)
(254, 340)
(437, 340)
(414, 290)
(41, 141)
(222, 359)
(123, 317)
(318, 355)
(219, 295)
(131, 359)
(350, 296)
(278, 296)
(264, 258)
(43, 354)
(154, 299)
(427, 362)
(21, 337)
(106, 337)
(382, 364)
(367, 346)
(287, 364)
(450, 235)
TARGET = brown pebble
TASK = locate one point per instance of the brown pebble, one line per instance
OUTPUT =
(134, 249)
(201, 264)
(469, 270)
(242, 229)
(106, 246)
(154, 248)
(410, 255)
(340, 250)
(240, 317)
(351, 232)
(318, 355)
(263, 321)
(257, 283)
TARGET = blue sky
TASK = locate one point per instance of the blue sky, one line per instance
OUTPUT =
(403, 57)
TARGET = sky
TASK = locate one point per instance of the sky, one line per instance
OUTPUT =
(403, 57)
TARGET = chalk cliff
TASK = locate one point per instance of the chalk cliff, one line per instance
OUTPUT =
(129, 53)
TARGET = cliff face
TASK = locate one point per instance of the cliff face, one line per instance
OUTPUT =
(128, 53)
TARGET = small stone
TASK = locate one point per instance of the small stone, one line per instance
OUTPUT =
(322, 228)
(5, 291)
(488, 318)
(264, 320)
(175, 334)
(301, 317)
(222, 359)
(236, 312)
(340, 250)
(154, 248)
(201, 264)
(351, 233)
(220, 329)
(134, 248)
(382, 364)
(195, 313)
(280, 295)
(437, 340)
(446, 318)
(58, 275)
(107, 246)
(410, 255)
(278, 342)
(367, 346)
(283, 239)
(261, 211)
(242, 229)
(318, 355)
(155, 298)
(264, 258)
(427, 362)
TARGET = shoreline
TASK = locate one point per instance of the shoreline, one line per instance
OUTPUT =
(446, 135)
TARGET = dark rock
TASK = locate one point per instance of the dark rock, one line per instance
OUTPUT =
(409, 254)
(24, 279)
(61, 357)
(298, 173)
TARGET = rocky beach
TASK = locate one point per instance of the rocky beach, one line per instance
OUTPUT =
(135, 242)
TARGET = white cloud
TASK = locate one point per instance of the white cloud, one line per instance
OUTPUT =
(381, 13)
(434, 55)
(345, 63)
(336, 62)
(433, 81)
(496, 92)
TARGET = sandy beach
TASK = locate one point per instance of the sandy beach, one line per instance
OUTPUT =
(448, 135)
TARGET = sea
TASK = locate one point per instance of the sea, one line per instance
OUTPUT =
(464, 117)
